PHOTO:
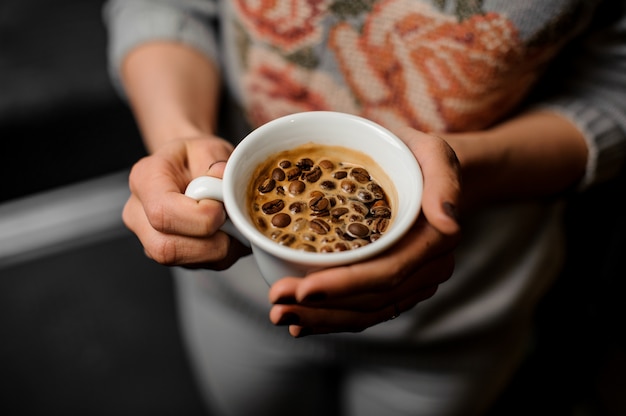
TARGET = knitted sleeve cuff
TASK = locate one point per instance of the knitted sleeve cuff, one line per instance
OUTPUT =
(132, 22)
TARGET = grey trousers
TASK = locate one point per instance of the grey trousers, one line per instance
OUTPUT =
(245, 366)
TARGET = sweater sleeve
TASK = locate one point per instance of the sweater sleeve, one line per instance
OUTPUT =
(591, 93)
(132, 22)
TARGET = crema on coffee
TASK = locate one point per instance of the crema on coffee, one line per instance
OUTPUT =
(320, 198)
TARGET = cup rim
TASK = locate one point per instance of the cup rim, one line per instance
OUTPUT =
(401, 225)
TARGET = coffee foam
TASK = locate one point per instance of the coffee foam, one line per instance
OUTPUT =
(347, 158)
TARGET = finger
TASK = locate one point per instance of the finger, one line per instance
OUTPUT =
(304, 321)
(432, 274)
(165, 207)
(216, 169)
(202, 154)
(235, 250)
(380, 274)
(441, 171)
(171, 249)
(284, 290)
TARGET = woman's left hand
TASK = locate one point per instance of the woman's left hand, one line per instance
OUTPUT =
(355, 297)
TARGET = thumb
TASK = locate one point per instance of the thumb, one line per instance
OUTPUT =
(442, 182)
(216, 169)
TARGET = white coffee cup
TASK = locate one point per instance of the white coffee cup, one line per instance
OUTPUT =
(276, 261)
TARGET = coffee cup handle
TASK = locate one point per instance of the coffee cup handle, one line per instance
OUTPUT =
(209, 187)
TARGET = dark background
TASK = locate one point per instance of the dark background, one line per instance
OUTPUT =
(60, 120)
(92, 330)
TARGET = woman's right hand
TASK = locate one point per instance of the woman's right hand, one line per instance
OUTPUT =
(174, 229)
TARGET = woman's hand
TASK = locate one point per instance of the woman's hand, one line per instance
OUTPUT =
(355, 297)
(173, 228)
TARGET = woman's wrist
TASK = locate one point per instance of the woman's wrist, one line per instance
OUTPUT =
(534, 155)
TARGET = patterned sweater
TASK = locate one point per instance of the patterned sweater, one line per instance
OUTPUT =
(438, 65)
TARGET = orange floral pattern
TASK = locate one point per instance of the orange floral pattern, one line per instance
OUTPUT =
(275, 88)
(426, 68)
(286, 24)
(406, 63)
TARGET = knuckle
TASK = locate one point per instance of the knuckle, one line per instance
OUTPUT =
(164, 251)
(157, 217)
(210, 212)
(134, 176)
(220, 249)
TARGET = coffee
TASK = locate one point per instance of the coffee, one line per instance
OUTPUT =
(320, 198)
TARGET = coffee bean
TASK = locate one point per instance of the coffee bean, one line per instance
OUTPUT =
(328, 185)
(376, 190)
(380, 209)
(360, 175)
(287, 239)
(327, 164)
(261, 224)
(313, 175)
(340, 174)
(305, 163)
(326, 249)
(296, 187)
(339, 211)
(378, 225)
(322, 213)
(272, 207)
(358, 207)
(341, 247)
(293, 173)
(281, 220)
(319, 203)
(343, 235)
(267, 185)
(319, 226)
(306, 247)
(382, 225)
(284, 164)
(358, 230)
(297, 207)
(348, 186)
(375, 237)
(365, 196)
(278, 174)
(355, 217)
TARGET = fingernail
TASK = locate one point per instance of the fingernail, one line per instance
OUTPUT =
(450, 210)
(315, 297)
(215, 163)
(289, 318)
